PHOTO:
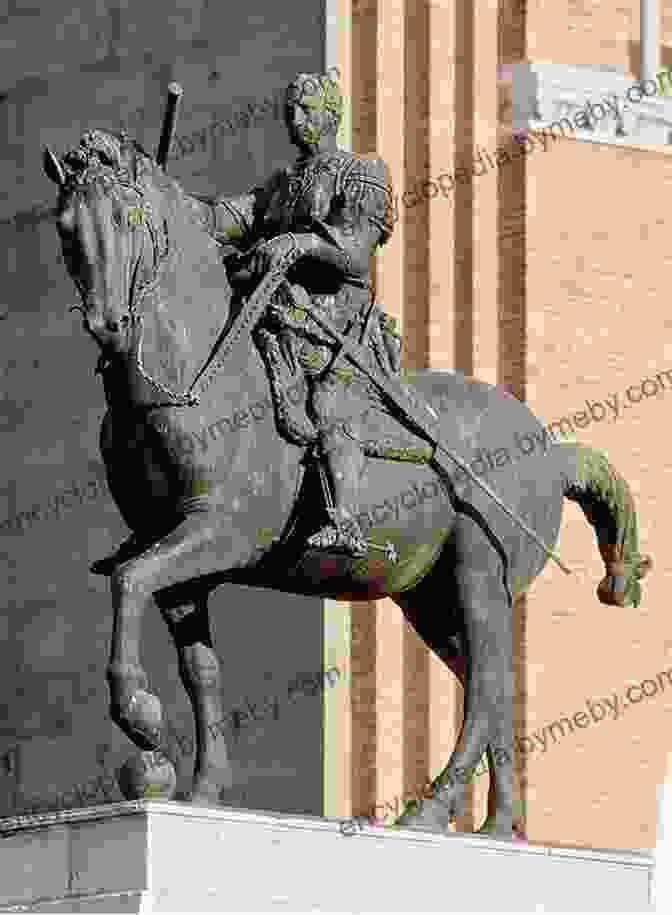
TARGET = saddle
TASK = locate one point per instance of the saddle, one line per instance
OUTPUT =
(310, 351)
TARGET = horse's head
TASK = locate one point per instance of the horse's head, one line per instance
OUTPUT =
(113, 234)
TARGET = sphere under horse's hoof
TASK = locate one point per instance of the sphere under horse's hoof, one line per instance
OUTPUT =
(146, 777)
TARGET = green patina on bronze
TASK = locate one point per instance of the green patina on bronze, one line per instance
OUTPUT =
(311, 359)
(295, 312)
(231, 233)
(328, 99)
(596, 477)
(662, 89)
(319, 95)
(316, 102)
(333, 100)
(389, 325)
(414, 561)
(264, 536)
(200, 488)
(311, 133)
(410, 455)
(136, 216)
(519, 584)
(342, 374)
(442, 780)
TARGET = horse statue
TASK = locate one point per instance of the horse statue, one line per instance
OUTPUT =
(213, 494)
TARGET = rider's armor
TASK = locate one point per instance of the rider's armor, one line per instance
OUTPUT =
(334, 195)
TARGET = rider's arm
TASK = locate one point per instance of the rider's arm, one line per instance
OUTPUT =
(360, 219)
(230, 219)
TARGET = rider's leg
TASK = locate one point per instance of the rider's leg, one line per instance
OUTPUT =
(279, 356)
(345, 463)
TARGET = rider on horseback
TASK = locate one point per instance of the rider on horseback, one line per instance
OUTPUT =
(337, 207)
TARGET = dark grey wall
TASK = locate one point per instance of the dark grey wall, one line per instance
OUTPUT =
(105, 64)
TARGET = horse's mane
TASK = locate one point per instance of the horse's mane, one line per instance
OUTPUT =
(109, 158)
(193, 301)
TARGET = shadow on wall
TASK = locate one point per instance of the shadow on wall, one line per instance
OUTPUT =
(252, 114)
(104, 788)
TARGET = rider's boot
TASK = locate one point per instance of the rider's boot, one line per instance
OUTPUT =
(345, 462)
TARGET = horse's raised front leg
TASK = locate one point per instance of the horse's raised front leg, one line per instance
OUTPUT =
(189, 627)
(187, 552)
(485, 608)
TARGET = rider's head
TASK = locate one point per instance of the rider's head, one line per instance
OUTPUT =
(313, 110)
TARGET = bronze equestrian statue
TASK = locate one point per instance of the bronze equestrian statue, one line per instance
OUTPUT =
(215, 492)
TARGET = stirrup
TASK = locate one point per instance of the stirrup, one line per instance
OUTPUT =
(342, 533)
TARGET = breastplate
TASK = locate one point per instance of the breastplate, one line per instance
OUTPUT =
(304, 193)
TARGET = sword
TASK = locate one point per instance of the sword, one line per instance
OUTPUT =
(169, 123)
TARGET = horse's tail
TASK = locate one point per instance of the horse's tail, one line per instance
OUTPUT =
(605, 499)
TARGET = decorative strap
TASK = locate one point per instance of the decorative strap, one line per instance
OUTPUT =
(249, 314)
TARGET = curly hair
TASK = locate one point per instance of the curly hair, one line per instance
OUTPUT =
(323, 89)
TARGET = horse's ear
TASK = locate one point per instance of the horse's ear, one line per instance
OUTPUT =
(53, 168)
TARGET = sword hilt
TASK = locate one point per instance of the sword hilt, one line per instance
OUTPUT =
(169, 123)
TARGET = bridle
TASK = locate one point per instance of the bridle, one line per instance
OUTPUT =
(162, 254)
(137, 291)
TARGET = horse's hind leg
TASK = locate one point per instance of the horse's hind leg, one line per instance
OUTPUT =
(189, 626)
(482, 602)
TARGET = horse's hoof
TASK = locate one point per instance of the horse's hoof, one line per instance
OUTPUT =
(141, 719)
(497, 826)
(427, 816)
(205, 796)
(147, 776)
(209, 783)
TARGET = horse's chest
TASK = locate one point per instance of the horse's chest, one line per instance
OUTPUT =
(132, 457)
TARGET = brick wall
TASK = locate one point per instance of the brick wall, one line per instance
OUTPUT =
(599, 267)
(551, 276)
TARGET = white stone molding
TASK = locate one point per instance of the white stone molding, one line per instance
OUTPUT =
(157, 856)
(661, 888)
(542, 94)
(648, 38)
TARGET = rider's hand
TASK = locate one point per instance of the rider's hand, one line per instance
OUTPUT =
(270, 253)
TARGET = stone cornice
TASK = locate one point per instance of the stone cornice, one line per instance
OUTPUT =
(543, 94)
(162, 856)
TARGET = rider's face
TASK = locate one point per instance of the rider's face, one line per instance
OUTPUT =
(307, 121)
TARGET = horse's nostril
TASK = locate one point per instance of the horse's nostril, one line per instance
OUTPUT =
(113, 326)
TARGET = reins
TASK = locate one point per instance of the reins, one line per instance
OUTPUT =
(139, 291)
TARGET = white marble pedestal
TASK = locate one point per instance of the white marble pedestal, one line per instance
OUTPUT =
(154, 856)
